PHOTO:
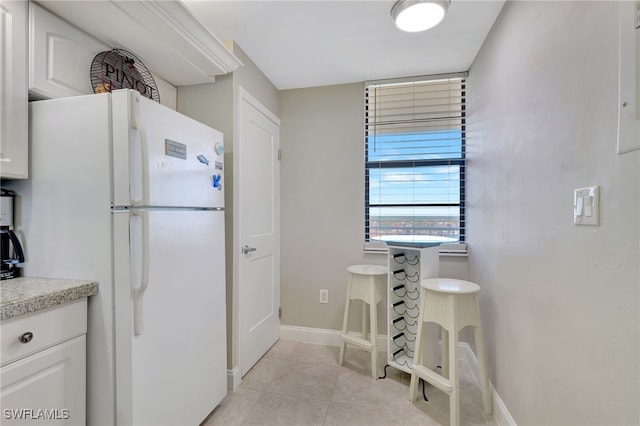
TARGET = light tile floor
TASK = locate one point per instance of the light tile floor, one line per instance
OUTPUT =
(302, 384)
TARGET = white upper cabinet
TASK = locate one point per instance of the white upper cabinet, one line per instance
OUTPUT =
(60, 56)
(171, 43)
(13, 92)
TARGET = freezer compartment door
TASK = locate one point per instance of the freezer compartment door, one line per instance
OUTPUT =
(164, 158)
(170, 316)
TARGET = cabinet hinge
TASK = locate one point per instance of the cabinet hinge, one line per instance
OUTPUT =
(279, 154)
(280, 313)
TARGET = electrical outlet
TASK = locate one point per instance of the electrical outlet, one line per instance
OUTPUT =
(324, 296)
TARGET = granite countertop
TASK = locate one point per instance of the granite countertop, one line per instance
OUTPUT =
(20, 296)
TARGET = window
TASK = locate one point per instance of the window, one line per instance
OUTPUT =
(415, 160)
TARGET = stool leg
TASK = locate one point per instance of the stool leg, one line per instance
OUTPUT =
(454, 396)
(345, 322)
(484, 379)
(417, 359)
(444, 352)
(364, 320)
(373, 327)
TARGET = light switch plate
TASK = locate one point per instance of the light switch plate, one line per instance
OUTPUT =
(586, 206)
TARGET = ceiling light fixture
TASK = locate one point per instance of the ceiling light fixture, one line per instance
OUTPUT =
(418, 15)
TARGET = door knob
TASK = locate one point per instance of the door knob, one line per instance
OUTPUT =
(246, 249)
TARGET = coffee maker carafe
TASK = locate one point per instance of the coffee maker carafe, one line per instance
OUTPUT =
(10, 251)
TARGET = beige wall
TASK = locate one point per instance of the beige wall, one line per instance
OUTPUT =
(560, 303)
(322, 200)
(322, 204)
(255, 82)
(215, 105)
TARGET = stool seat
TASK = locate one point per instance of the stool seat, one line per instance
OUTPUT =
(368, 269)
(452, 304)
(449, 285)
(366, 283)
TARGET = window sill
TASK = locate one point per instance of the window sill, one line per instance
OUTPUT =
(448, 250)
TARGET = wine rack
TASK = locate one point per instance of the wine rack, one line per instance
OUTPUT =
(407, 266)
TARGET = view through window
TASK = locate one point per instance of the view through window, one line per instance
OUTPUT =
(415, 160)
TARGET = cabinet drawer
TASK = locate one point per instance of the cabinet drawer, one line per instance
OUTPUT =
(48, 328)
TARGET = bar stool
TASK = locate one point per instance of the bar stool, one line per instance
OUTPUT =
(453, 305)
(366, 283)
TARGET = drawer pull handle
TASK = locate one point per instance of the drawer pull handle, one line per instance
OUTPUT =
(26, 337)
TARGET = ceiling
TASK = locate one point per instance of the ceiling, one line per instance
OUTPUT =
(307, 43)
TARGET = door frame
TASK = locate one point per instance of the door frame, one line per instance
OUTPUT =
(236, 339)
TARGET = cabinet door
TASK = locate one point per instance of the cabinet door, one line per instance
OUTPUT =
(13, 95)
(60, 56)
(47, 387)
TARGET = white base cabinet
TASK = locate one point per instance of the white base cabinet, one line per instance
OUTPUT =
(46, 388)
(43, 374)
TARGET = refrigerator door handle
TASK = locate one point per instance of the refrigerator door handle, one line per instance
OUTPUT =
(139, 156)
(142, 217)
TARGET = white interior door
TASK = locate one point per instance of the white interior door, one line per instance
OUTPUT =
(258, 229)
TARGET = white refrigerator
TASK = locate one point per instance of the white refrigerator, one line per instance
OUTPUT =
(127, 192)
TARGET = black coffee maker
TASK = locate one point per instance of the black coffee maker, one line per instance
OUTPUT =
(10, 251)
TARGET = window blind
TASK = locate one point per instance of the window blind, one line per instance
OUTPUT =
(415, 160)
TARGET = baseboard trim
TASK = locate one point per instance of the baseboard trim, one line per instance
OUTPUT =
(233, 379)
(500, 412)
(319, 336)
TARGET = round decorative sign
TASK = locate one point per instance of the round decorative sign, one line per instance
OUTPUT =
(119, 69)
